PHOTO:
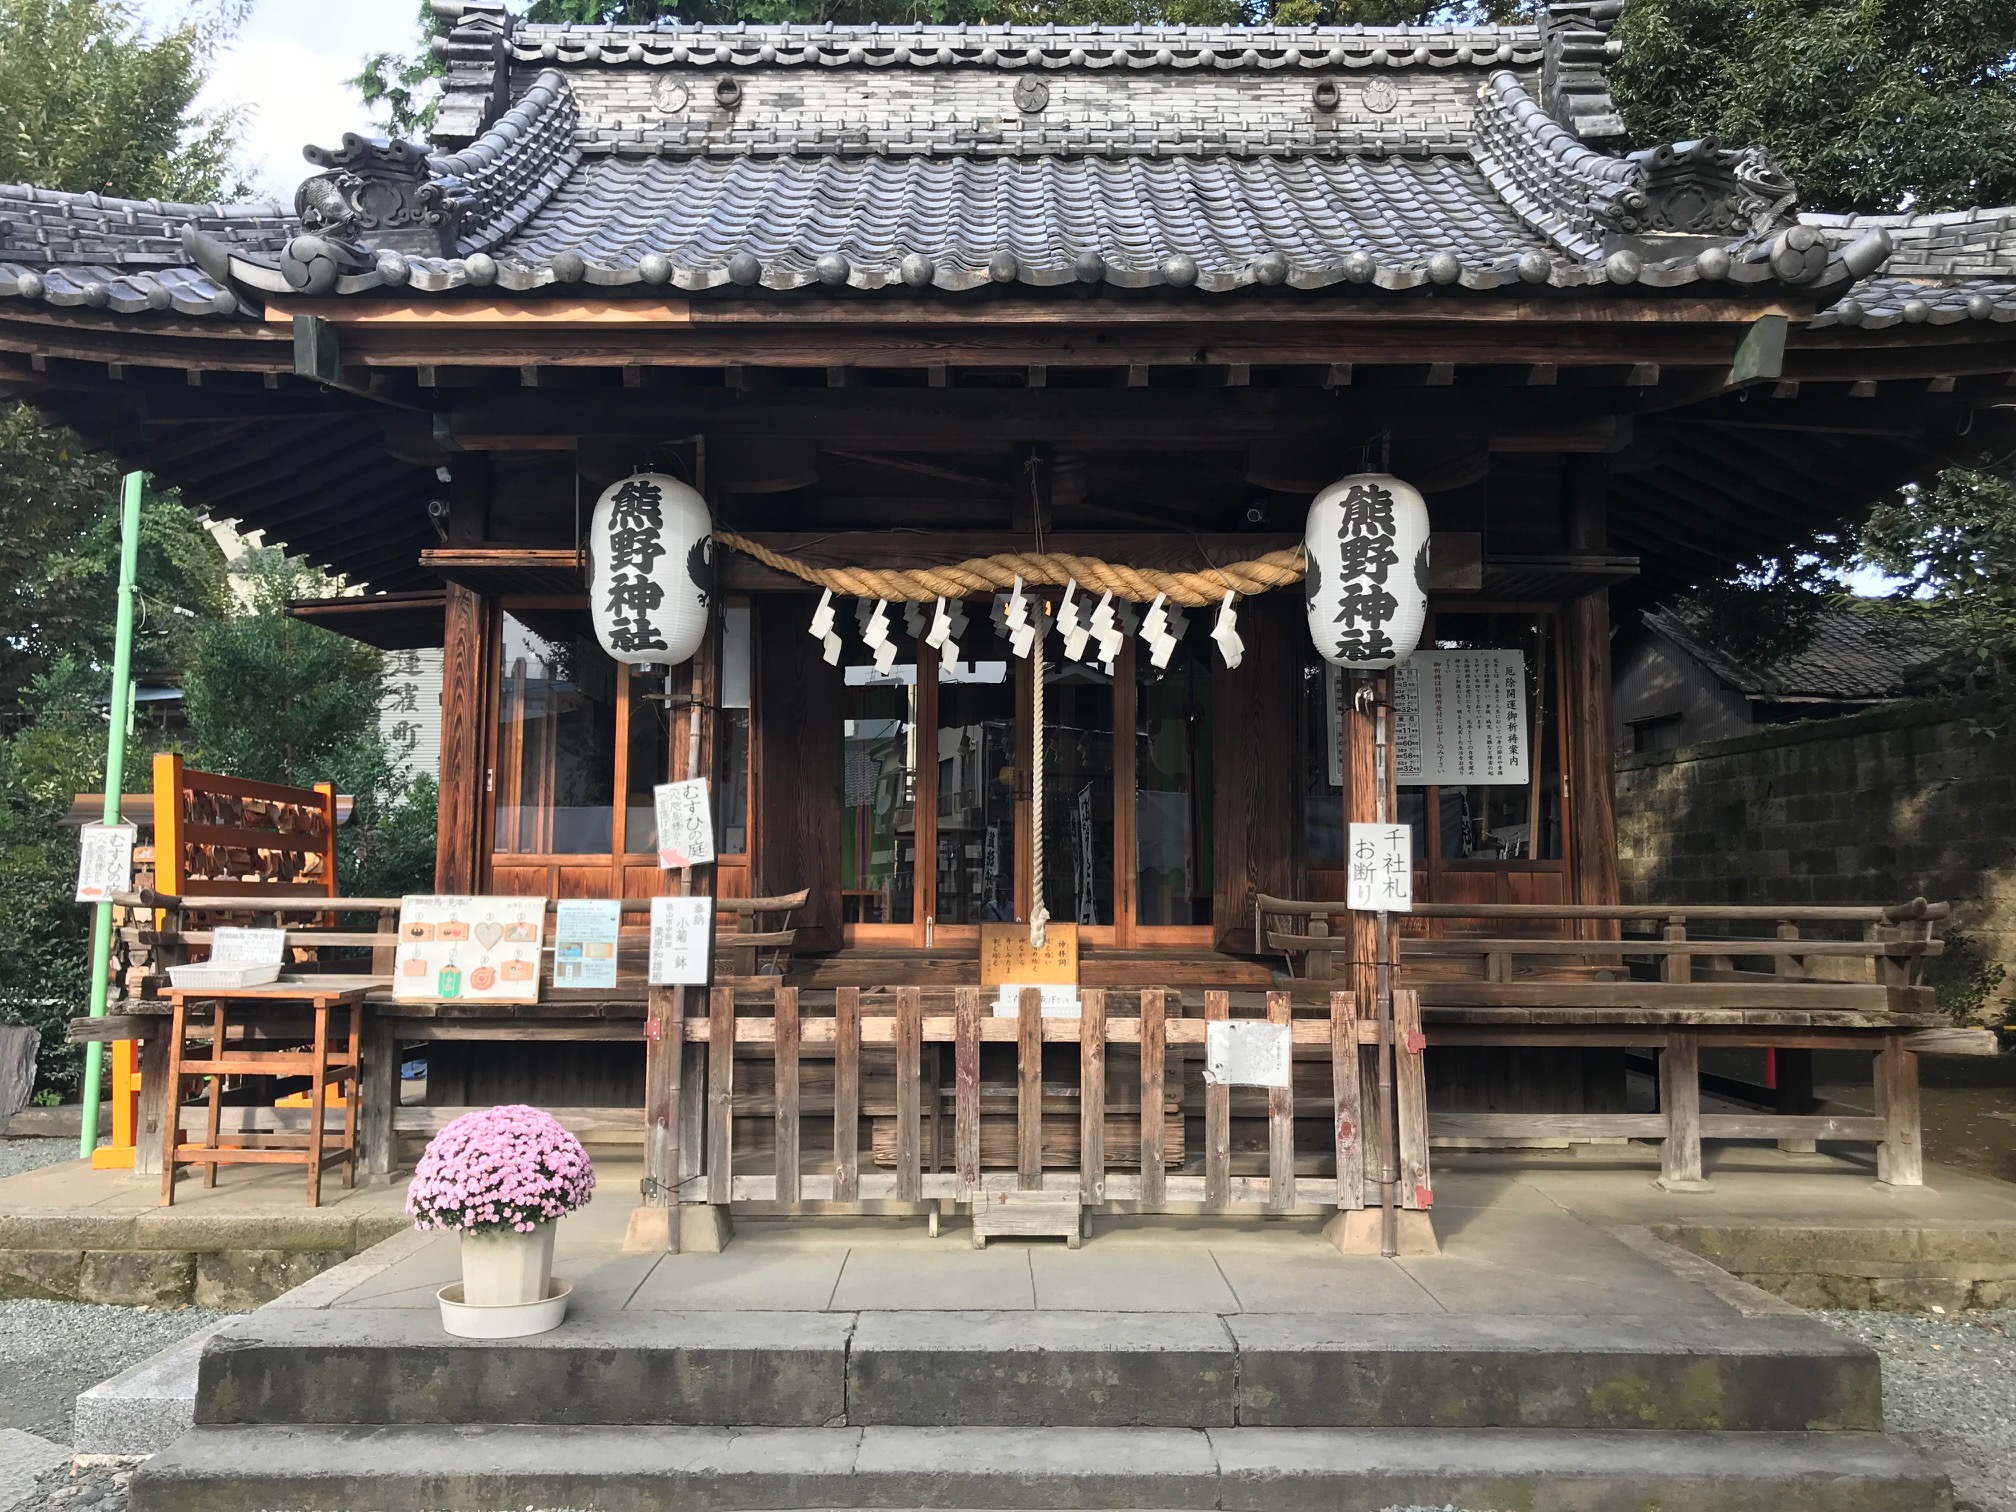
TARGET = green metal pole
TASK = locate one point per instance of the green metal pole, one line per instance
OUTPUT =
(119, 716)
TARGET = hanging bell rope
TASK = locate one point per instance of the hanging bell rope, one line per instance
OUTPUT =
(1039, 916)
(1194, 590)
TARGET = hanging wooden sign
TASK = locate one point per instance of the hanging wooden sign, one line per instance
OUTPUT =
(650, 570)
(1007, 956)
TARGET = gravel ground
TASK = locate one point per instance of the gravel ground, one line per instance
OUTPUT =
(1949, 1387)
(18, 1156)
(50, 1351)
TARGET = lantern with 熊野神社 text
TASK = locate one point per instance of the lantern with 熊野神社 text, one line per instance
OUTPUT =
(650, 569)
(1366, 544)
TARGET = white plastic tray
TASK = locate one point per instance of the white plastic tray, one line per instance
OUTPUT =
(203, 974)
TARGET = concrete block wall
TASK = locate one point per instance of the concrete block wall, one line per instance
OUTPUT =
(1875, 807)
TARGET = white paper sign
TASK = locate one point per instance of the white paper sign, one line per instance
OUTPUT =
(1381, 868)
(483, 950)
(1058, 1002)
(585, 932)
(104, 862)
(247, 947)
(685, 824)
(1460, 718)
(1247, 1053)
(682, 937)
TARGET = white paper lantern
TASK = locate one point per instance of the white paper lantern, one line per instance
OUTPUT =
(1367, 588)
(650, 569)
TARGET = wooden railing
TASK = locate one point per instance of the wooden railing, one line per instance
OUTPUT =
(1698, 948)
(1123, 1156)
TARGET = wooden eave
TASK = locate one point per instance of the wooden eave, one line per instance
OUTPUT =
(390, 621)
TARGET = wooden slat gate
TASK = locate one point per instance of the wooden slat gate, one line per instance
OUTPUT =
(767, 1025)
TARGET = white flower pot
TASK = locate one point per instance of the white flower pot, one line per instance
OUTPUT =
(507, 1268)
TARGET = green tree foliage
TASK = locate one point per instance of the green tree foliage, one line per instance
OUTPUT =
(322, 728)
(1952, 548)
(91, 101)
(1871, 105)
(59, 560)
(44, 947)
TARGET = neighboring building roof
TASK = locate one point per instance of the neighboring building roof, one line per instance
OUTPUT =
(1854, 657)
(961, 157)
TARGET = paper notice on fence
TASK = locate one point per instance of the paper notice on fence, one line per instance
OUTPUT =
(585, 932)
(1246, 1053)
(104, 862)
(1381, 868)
(248, 947)
(682, 935)
(1057, 1002)
(685, 824)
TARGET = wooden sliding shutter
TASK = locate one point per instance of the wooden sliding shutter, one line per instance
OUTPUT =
(796, 750)
(1254, 759)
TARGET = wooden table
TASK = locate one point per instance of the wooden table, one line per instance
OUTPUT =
(227, 1004)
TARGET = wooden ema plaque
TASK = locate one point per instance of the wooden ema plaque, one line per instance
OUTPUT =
(1006, 956)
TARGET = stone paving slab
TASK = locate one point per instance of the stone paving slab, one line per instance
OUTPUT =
(1030, 1369)
(145, 1409)
(407, 1469)
(24, 1457)
(365, 1366)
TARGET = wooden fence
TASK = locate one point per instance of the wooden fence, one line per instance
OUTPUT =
(1122, 1157)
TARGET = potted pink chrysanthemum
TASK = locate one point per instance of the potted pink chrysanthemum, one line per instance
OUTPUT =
(500, 1178)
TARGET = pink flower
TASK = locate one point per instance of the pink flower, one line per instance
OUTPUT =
(510, 1166)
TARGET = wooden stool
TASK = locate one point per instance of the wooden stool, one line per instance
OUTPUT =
(241, 1003)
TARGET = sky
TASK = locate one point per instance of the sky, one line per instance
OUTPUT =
(289, 68)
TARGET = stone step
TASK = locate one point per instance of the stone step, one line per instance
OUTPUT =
(617, 1469)
(1028, 1369)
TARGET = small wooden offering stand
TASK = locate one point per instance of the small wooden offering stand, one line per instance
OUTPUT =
(246, 1007)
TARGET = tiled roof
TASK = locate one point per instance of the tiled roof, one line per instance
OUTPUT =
(1946, 268)
(126, 255)
(1854, 656)
(1028, 47)
(952, 157)
(959, 223)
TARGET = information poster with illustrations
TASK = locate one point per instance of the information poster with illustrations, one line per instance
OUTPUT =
(1460, 719)
(682, 938)
(483, 950)
(585, 932)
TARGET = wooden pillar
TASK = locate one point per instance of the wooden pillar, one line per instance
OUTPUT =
(1900, 1159)
(1680, 1102)
(459, 831)
(1590, 800)
(1361, 799)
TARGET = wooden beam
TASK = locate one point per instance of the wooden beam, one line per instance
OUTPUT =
(456, 859)
(511, 420)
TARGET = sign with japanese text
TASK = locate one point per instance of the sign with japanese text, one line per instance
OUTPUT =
(682, 941)
(585, 932)
(104, 862)
(1007, 956)
(1380, 868)
(231, 946)
(685, 824)
(1460, 718)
